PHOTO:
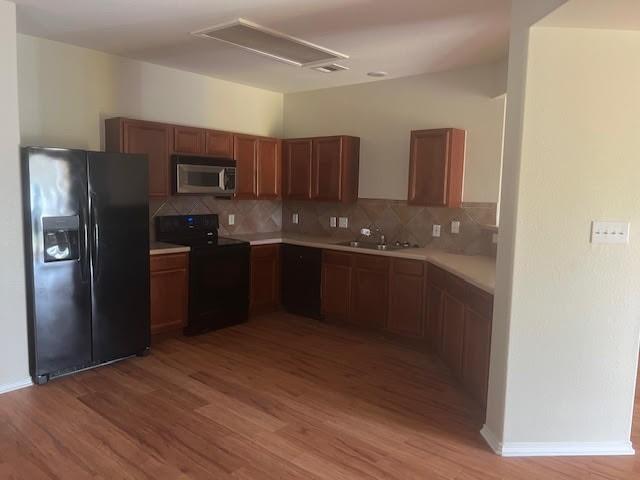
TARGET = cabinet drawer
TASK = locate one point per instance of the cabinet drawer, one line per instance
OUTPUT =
(372, 262)
(174, 261)
(479, 301)
(408, 267)
(263, 251)
(337, 258)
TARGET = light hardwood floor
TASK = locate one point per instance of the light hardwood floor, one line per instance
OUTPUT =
(278, 398)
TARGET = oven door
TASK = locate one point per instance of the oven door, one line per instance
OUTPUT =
(205, 179)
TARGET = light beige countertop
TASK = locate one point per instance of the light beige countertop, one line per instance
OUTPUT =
(476, 269)
(159, 248)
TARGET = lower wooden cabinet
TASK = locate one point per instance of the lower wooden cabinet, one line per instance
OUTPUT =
(301, 280)
(458, 328)
(169, 287)
(336, 285)
(370, 291)
(406, 297)
(452, 333)
(265, 279)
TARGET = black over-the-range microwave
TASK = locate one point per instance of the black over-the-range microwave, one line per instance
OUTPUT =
(203, 175)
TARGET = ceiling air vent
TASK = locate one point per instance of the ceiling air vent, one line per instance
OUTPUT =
(332, 67)
(264, 41)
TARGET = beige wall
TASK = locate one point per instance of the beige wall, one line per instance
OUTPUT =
(570, 332)
(14, 366)
(383, 113)
(67, 91)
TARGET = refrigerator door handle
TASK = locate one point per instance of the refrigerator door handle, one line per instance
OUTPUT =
(96, 238)
(84, 254)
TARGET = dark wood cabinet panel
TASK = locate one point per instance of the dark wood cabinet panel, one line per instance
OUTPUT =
(322, 168)
(370, 291)
(246, 156)
(326, 170)
(453, 316)
(268, 168)
(476, 352)
(433, 323)
(436, 167)
(406, 303)
(169, 289)
(301, 280)
(219, 144)
(297, 168)
(188, 140)
(265, 279)
(337, 274)
(148, 138)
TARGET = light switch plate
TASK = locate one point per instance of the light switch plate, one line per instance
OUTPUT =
(343, 222)
(455, 226)
(333, 222)
(232, 219)
(435, 232)
(609, 232)
(295, 218)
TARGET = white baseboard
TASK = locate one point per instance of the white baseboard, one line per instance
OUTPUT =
(10, 387)
(555, 449)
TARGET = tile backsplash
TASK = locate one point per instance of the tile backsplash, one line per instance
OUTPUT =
(399, 221)
(251, 216)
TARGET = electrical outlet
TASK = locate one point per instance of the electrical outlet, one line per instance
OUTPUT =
(295, 218)
(343, 222)
(435, 232)
(232, 219)
(609, 232)
(455, 226)
(333, 222)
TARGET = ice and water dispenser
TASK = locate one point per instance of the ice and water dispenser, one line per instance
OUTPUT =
(61, 238)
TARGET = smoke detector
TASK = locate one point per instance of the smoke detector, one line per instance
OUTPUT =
(330, 68)
(277, 45)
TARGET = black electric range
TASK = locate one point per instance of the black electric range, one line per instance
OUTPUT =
(218, 271)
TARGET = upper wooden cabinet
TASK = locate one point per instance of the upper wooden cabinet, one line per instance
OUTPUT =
(323, 168)
(436, 167)
(269, 168)
(152, 139)
(188, 140)
(297, 168)
(218, 144)
(246, 156)
(258, 167)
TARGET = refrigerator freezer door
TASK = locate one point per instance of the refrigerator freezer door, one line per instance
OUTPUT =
(118, 203)
(55, 187)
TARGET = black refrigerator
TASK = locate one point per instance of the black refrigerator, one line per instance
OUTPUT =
(86, 218)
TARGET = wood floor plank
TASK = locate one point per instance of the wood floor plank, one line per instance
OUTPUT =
(280, 397)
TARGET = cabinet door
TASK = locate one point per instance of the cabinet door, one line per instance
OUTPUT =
(336, 285)
(246, 155)
(269, 163)
(433, 327)
(297, 171)
(370, 292)
(219, 144)
(452, 333)
(406, 303)
(151, 139)
(265, 279)
(326, 172)
(188, 140)
(477, 347)
(436, 166)
(169, 288)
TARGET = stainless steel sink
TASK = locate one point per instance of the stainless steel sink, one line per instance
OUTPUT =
(368, 245)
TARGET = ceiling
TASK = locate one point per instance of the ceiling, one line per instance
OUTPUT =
(612, 14)
(402, 37)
